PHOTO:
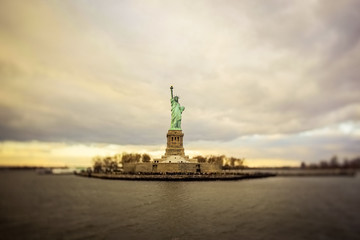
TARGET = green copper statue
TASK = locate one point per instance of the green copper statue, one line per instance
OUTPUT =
(176, 111)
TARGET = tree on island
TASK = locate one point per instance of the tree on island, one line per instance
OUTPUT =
(135, 158)
(219, 160)
(130, 158)
(145, 158)
(97, 164)
(236, 162)
(112, 163)
(225, 162)
(200, 159)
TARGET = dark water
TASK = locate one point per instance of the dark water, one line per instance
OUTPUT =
(70, 207)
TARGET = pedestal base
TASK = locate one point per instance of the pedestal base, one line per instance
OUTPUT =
(174, 144)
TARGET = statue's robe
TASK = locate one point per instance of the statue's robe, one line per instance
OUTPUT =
(176, 111)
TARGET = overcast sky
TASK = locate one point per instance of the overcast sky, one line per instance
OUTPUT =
(275, 81)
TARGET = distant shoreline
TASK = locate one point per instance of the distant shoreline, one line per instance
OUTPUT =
(298, 172)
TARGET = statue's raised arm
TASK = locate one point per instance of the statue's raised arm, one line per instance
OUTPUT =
(176, 111)
(171, 89)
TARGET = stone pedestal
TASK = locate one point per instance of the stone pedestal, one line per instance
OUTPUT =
(174, 150)
(175, 143)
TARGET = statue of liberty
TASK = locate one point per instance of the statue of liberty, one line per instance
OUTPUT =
(176, 111)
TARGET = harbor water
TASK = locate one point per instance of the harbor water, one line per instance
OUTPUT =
(69, 207)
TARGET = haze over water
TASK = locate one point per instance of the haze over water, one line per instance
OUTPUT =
(69, 207)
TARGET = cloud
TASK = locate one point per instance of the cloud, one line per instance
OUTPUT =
(288, 149)
(101, 71)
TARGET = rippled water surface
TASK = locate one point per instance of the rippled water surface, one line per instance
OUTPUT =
(69, 207)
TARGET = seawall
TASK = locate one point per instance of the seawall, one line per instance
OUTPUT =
(224, 175)
(177, 177)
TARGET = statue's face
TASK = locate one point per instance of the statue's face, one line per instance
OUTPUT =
(176, 99)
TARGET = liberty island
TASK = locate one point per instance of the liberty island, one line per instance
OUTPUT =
(174, 165)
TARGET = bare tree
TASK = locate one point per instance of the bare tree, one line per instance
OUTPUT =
(97, 164)
(216, 159)
(334, 162)
(200, 159)
(146, 158)
(303, 165)
(130, 158)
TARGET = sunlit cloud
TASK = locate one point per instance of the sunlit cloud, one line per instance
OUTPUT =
(36, 153)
